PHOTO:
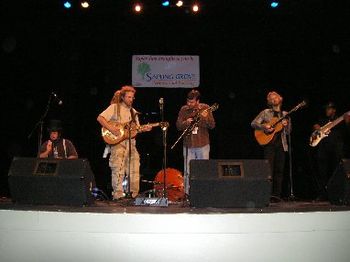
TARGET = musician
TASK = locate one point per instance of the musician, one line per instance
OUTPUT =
(329, 150)
(274, 151)
(56, 146)
(121, 110)
(196, 144)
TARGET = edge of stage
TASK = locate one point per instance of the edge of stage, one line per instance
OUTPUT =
(287, 231)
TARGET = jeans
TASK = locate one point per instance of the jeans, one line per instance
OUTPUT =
(189, 154)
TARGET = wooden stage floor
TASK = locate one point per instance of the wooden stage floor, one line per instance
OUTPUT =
(127, 206)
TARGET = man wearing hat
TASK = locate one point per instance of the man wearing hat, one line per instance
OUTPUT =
(56, 146)
(329, 150)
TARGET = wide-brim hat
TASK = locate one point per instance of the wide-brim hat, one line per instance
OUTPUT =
(330, 105)
(54, 125)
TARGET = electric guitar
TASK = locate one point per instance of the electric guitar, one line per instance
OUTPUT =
(264, 137)
(324, 131)
(123, 133)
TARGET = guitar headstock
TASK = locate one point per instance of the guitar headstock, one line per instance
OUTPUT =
(214, 107)
(164, 125)
(302, 104)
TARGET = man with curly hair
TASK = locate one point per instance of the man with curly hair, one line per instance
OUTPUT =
(121, 110)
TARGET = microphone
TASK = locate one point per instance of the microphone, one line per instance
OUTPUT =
(161, 103)
(59, 101)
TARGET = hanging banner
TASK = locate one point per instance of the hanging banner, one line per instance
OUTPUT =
(165, 71)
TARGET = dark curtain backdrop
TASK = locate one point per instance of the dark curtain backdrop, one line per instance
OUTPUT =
(246, 49)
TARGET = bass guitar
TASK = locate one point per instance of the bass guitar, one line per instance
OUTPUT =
(324, 131)
(264, 137)
(124, 132)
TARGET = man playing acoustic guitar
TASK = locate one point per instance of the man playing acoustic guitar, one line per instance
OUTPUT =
(274, 151)
(122, 112)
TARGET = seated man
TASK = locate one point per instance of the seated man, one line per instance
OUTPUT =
(56, 146)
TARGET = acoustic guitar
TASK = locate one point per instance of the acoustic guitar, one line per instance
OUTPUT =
(264, 137)
(124, 132)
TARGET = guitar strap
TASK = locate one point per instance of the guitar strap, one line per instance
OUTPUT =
(116, 113)
(64, 148)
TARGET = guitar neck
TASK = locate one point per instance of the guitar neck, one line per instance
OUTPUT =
(302, 104)
(332, 124)
(279, 120)
(140, 128)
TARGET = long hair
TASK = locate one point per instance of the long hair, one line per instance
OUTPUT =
(119, 95)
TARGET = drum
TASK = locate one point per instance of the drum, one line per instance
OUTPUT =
(174, 184)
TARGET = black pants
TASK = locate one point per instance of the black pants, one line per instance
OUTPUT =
(329, 154)
(275, 154)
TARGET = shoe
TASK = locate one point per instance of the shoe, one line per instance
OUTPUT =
(275, 199)
(186, 201)
(117, 196)
(321, 198)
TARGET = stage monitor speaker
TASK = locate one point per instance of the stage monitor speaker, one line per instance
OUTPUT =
(338, 186)
(51, 181)
(230, 183)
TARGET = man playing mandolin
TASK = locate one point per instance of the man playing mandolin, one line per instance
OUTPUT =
(196, 142)
(274, 150)
(121, 112)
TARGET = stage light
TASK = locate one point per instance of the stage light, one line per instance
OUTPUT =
(67, 4)
(274, 4)
(137, 8)
(165, 3)
(179, 3)
(84, 4)
(195, 8)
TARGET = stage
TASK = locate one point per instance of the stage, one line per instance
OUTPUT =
(115, 231)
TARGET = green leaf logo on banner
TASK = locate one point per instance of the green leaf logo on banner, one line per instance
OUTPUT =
(143, 69)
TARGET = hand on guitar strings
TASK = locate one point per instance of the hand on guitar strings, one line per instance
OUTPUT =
(146, 128)
(284, 122)
(268, 129)
(114, 130)
(204, 114)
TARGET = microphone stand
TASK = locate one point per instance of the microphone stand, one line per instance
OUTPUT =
(128, 194)
(40, 125)
(291, 192)
(187, 132)
(164, 133)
